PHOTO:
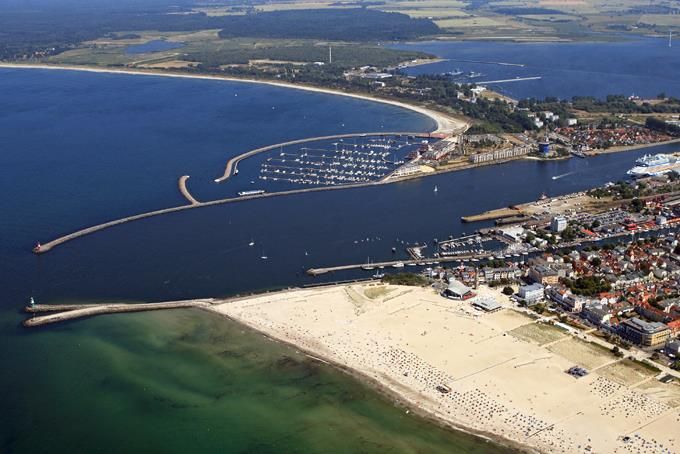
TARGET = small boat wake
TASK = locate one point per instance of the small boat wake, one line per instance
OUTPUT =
(557, 177)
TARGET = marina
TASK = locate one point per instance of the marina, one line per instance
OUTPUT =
(371, 159)
(232, 164)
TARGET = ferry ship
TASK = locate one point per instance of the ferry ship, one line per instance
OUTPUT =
(456, 72)
(253, 192)
(654, 165)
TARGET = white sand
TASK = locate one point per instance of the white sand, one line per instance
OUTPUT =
(410, 340)
(445, 123)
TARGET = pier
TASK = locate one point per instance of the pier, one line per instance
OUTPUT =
(182, 183)
(194, 203)
(60, 313)
(397, 263)
(516, 79)
(499, 63)
(232, 165)
(46, 247)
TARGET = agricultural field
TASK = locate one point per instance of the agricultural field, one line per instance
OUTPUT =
(523, 19)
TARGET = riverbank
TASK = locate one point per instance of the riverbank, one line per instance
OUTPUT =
(454, 363)
(600, 151)
(446, 124)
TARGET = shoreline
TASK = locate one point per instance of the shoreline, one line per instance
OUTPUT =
(398, 400)
(445, 124)
(625, 148)
(406, 340)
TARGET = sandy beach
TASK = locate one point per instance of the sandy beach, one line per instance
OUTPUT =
(500, 375)
(445, 123)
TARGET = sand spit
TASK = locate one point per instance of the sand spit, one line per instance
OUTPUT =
(500, 374)
(445, 123)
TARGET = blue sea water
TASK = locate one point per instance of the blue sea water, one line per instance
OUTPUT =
(644, 67)
(79, 148)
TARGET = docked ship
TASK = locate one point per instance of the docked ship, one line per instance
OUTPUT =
(654, 165)
(456, 72)
(253, 192)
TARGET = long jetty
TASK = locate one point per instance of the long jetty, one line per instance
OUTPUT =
(75, 311)
(193, 203)
(391, 264)
(505, 81)
(232, 164)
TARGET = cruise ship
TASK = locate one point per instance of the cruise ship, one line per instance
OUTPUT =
(654, 165)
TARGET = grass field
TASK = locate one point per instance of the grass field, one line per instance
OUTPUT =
(538, 333)
(207, 47)
(669, 393)
(585, 354)
(627, 372)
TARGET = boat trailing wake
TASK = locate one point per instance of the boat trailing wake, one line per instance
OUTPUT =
(557, 177)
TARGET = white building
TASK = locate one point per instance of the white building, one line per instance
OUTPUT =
(531, 294)
(558, 224)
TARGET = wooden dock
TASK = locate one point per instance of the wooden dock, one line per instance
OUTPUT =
(61, 313)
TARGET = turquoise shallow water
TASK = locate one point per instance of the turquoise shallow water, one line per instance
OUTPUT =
(192, 381)
(83, 148)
